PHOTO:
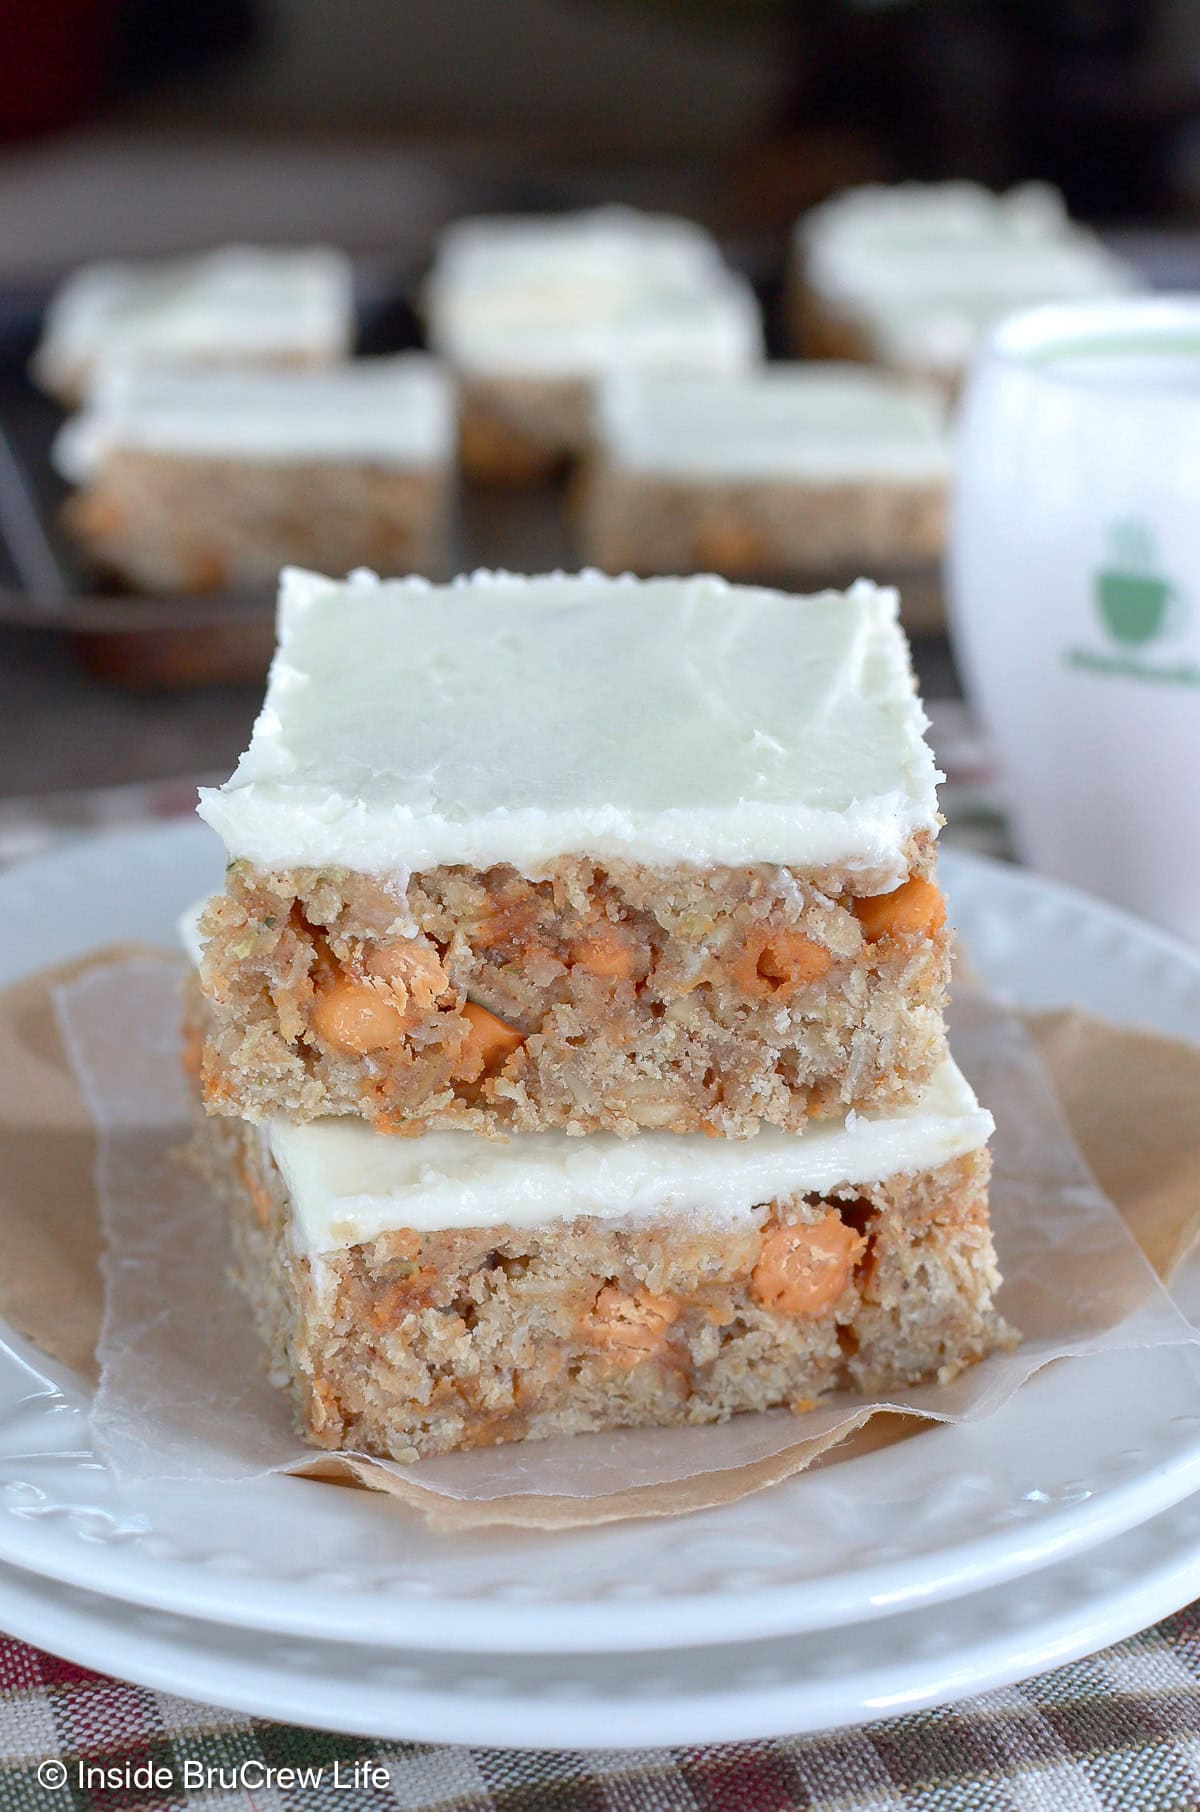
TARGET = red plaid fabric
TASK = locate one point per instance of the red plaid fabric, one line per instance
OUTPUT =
(1117, 1733)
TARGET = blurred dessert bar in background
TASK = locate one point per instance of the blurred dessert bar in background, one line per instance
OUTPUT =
(791, 474)
(530, 311)
(240, 305)
(577, 852)
(197, 480)
(912, 277)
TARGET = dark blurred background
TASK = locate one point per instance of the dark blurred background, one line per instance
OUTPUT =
(134, 125)
(142, 126)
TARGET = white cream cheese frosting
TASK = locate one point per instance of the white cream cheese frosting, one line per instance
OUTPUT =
(936, 327)
(240, 304)
(818, 422)
(931, 217)
(928, 268)
(394, 412)
(575, 254)
(503, 719)
(575, 295)
(348, 1184)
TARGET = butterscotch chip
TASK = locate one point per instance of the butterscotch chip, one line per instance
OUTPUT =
(915, 909)
(633, 1326)
(488, 1042)
(356, 1018)
(411, 969)
(778, 963)
(732, 546)
(509, 926)
(803, 1269)
(604, 953)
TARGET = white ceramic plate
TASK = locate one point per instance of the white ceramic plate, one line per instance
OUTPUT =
(951, 1511)
(782, 1687)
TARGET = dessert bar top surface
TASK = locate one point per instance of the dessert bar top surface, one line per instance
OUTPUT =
(818, 421)
(348, 1184)
(242, 302)
(569, 295)
(938, 326)
(577, 253)
(390, 411)
(515, 720)
(930, 266)
(935, 217)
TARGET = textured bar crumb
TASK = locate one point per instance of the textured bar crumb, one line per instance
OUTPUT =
(612, 997)
(168, 522)
(769, 530)
(425, 1343)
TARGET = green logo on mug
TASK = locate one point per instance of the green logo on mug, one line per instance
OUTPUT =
(1137, 605)
(1133, 599)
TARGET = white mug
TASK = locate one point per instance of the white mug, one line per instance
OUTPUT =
(1074, 589)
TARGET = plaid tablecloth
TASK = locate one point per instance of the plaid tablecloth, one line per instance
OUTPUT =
(1117, 1733)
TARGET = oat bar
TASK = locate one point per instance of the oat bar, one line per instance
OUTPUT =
(580, 853)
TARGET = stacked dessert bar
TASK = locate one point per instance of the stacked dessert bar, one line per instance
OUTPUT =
(571, 1022)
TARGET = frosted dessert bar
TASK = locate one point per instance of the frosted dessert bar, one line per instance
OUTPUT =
(914, 276)
(242, 305)
(530, 311)
(577, 852)
(422, 1295)
(193, 480)
(791, 473)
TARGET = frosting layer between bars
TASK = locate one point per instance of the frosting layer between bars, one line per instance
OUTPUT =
(511, 720)
(348, 1184)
